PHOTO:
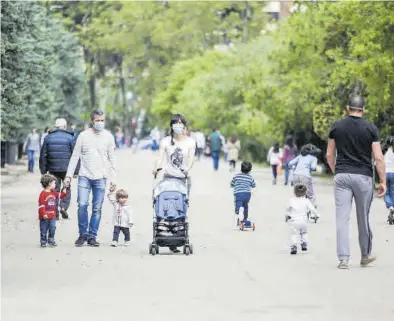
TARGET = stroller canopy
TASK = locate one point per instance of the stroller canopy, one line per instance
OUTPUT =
(170, 185)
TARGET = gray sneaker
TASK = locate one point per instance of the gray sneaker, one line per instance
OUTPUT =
(367, 260)
(343, 265)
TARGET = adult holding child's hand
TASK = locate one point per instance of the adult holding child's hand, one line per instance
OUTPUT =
(95, 149)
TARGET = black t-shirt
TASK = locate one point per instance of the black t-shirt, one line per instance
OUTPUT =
(354, 137)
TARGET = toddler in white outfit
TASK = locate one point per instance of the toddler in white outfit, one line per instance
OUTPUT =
(297, 216)
(122, 218)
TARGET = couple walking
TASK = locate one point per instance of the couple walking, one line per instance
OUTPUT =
(230, 148)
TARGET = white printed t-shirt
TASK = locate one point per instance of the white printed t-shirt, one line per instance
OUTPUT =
(177, 155)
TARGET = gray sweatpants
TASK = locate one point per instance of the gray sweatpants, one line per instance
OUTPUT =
(307, 181)
(361, 188)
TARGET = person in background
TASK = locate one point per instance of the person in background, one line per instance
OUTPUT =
(200, 143)
(388, 152)
(352, 141)
(215, 144)
(234, 146)
(31, 146)
(225, 150)
(304, 164)
(134, 144)
(55, 156)
(44, 134)
(74, 131)
(155, 136)
(273, 158)
(119, 138)
(289, 153)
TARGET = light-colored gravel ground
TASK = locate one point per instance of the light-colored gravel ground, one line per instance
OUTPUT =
(232, 275)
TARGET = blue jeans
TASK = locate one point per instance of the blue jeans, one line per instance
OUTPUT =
(242, 200)
(215, 157)
(155, 145)
(85, 185)
(30, 157)
(47, 230)
(389, 197)
(287, 172)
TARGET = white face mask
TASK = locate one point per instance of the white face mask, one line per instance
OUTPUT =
(99, 126)
(178, 128)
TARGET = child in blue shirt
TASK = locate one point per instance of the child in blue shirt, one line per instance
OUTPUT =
(242, 183)
(304, 164)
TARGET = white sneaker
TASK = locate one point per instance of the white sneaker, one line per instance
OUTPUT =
(241, 214)
(114, 244)
(127, 243)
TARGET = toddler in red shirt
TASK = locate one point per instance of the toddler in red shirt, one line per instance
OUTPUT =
(47, 209)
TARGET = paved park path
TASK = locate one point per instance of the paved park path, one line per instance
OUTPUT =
(232, 275)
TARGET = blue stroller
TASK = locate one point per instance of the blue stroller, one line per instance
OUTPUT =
(170, 225)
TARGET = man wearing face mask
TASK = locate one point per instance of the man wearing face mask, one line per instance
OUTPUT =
(95, 149)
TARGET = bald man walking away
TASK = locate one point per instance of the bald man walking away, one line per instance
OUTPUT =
(55, 155)
(355, 140)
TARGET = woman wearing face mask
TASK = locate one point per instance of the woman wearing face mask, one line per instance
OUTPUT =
(179, 151)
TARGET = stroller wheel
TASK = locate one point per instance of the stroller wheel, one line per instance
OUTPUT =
(253, 227)
(186, 250)
(157, 249)
(391, 219)
(241, 226)
(152, 249)
(191, 248)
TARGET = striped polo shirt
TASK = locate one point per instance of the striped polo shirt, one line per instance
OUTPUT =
(243, 183)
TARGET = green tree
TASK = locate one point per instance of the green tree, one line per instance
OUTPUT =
(41, 72)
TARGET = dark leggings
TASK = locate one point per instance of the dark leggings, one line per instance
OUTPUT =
(124, 230)
(274, 170)
(232, 163)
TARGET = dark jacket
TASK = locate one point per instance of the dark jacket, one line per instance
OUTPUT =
(56, 151)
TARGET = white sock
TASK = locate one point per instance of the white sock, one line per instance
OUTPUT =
(241, 214)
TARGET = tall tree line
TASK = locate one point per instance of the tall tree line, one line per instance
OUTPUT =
(42, 71)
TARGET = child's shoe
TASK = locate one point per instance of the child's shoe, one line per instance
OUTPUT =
(304, 247)
(114, 243)
(43, 244)
(127, 243)
(343, 265)
(390, 218)
(293, 250)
